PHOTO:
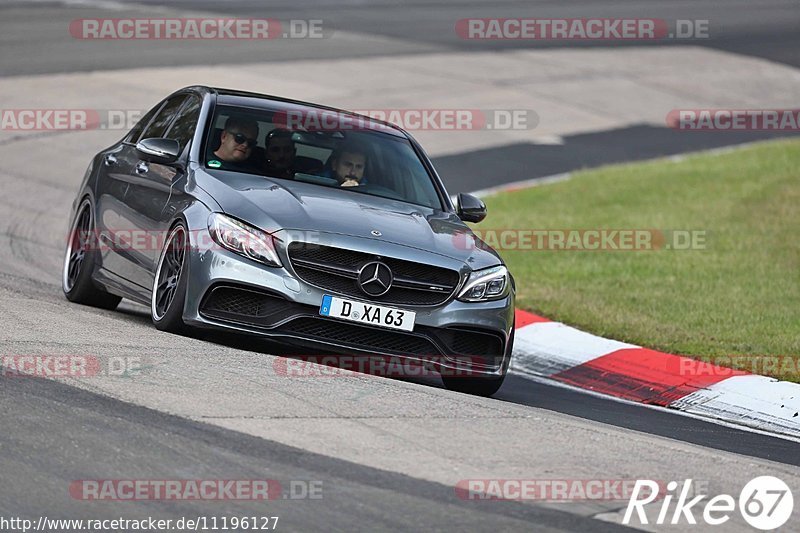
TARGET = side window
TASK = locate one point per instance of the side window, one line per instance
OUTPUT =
(185, 123)
(134, 135)
(159, 126)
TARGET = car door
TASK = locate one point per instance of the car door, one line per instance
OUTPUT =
(115, 167)
(151, 185)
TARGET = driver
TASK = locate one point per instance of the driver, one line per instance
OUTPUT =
(347, 165)
(237, 141)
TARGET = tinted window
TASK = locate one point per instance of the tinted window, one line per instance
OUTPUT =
(324, 149)
(183, 128)
(159, 126)
(136, 132)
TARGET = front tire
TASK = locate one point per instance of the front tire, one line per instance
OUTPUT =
(171, 279)
(79, 263)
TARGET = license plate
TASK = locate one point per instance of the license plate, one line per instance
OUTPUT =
(376, 315)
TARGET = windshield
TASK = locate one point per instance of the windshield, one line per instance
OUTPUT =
(319, 147)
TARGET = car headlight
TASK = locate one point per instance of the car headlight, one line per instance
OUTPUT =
(485, 285)
(243, 239)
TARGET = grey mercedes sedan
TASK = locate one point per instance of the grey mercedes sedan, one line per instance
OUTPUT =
(306, 224)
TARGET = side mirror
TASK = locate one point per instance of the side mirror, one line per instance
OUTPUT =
(470, 208)
(158, 150)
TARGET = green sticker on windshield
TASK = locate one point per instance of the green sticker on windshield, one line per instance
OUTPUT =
(214, 163)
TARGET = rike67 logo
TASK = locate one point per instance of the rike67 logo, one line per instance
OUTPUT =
(766, 503)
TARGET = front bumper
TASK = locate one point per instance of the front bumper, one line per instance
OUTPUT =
(230, 292)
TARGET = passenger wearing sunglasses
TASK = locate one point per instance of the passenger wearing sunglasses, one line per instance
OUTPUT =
(237, 141)
(280, 151)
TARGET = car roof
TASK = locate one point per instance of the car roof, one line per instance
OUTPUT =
(264, 101)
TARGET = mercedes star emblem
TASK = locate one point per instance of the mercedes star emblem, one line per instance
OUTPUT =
(375, 278)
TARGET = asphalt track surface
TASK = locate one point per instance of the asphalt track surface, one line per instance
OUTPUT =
(54, 433)
(38, 468)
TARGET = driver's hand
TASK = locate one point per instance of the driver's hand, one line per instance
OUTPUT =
(350, 183)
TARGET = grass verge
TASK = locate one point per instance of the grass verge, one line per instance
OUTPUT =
(735, 300)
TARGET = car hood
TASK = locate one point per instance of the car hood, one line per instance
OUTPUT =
(276, 204)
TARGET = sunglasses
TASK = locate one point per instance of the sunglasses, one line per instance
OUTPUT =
(240, 138)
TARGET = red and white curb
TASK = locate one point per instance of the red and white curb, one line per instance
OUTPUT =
(561, 353)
